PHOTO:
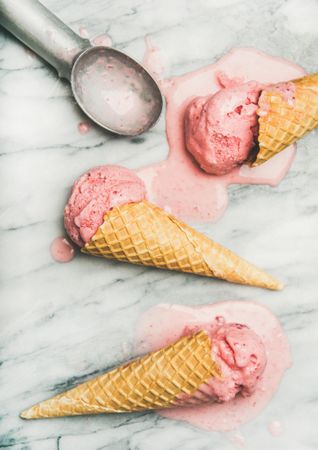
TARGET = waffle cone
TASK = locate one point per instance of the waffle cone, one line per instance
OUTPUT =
(142, 233)
(285, 122)
(160, 379)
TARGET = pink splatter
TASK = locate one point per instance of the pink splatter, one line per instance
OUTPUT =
(83, 127)
(153, 60)
(83, 32)
(62, 250)
(275, 428)
(103, 40)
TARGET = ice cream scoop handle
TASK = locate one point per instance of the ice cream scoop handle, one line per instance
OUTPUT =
(43, 32)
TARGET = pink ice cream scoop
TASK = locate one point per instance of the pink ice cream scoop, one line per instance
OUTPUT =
(240, 354)
(96, 192)
(221, 129)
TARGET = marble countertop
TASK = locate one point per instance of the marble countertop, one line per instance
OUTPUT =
(60, 323)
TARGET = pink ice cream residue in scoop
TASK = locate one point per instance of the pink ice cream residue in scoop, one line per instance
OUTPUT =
(94, 194)
(221, 129)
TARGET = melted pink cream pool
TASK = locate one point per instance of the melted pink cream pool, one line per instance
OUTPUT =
(164, 324)
(178, 184)
(62, 250)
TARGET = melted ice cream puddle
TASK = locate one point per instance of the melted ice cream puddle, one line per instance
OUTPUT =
(165, 324)
(178, 183)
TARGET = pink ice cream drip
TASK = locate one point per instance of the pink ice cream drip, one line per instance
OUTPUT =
(221, 129)
(228, 82)
(95, 193)
(240, 355)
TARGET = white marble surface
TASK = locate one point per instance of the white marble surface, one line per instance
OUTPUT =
(60, 323)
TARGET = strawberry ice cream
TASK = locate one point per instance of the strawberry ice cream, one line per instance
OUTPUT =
(221, 129)
(96, 192)
(240, 355)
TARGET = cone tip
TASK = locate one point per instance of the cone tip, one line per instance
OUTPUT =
(269, 282)
(276, 285)
(280, 286)
(27, 414)
(24, 414)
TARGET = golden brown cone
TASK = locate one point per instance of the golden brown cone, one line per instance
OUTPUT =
(285, 123)
(142, 233)
(160, 379)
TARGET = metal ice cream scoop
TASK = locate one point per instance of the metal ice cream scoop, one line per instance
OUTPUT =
(110, 87)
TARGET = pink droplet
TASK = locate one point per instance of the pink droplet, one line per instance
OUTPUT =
(84, 127)
(104, 40)
(62, 250)
(83, 32)
(275, 428)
